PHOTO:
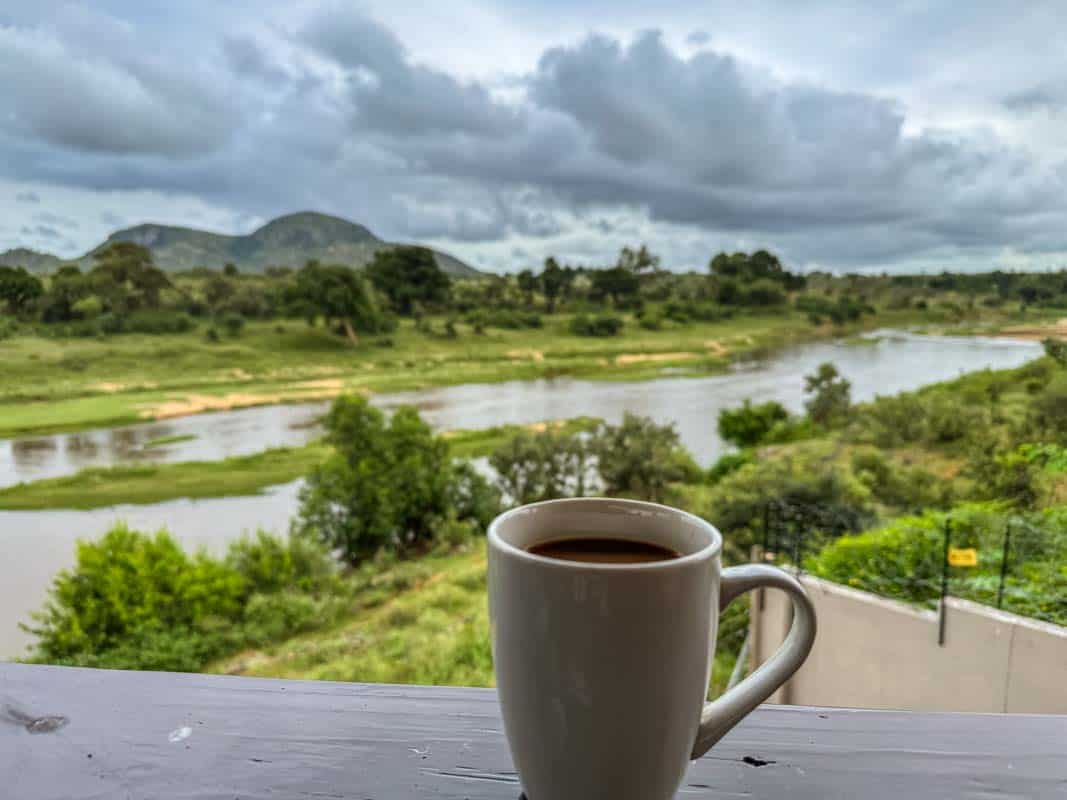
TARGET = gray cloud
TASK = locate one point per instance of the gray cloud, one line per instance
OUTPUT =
(112, 219)
(698, 38)
(28, 198)
(57, 220)
(41, 232)
(1036, 98)
(58, 94)
(601, 139)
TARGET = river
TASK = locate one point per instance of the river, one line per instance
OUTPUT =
(38, 543)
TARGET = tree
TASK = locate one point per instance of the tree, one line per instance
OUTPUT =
(126, 279)
(830, 395)
(527, 285)
(638, 458)
(19, 289)
(618, 283)
(531, 467)
(340, 295)
(749, 425)
(65, 288)
(389, 484)
(230, 270)
(554, 282)
(409, 276)
(1056, 349)
(217, 290)
(637, 261)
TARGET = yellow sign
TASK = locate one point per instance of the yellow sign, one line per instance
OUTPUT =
(962, 557)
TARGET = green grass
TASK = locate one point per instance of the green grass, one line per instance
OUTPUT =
(466, 443)
(155, 483)
(52, 385)
(421, 621)
(165, 440)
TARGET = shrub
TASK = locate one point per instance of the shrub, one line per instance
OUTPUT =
(8, 328)
(731, 462)
(544, 465)
(157, 322)
(233, 323)
(135, 601)
(749, 424)
(387, 486)
(601, 325)
(640, 458)
(211, 335)
(130, 583)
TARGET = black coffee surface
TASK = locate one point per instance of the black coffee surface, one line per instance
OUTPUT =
(603, 551)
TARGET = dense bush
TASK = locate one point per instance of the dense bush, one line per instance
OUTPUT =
(748, 424)
(503, 318)
(640, 458)
(543, 465)
(136, 601)
(904, 559)
(389, 484)
(824, 499)
(600, 325)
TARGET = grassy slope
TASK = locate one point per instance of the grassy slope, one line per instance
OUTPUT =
(154, 483)
(421, 621)
(52, 385)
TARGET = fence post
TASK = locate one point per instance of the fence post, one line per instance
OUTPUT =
(1004, 562)
(944, 584)
(763, 550)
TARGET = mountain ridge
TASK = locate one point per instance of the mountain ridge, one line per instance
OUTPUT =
(289, 240)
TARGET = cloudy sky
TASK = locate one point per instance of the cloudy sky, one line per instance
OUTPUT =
(917, 139)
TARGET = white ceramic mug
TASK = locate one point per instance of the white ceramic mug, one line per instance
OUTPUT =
(603, 669)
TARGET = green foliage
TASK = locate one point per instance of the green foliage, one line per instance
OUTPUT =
(503, 318)
(728, 463)
(125, 278)
(543, 465)
(338, 294)
(826, 499)
(600, 325)
(135, 601)
(899, 486)
(618, 283)
(1048, 411)
(409, 277)
(749, 425)
(760, 265)
(829, 399)
(19, 290)
(1056, 349)
(387, 486)
(839, 311)
(640, 458)
(233, 323)
(903, 559)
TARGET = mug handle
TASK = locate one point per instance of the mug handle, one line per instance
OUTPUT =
(721, 714)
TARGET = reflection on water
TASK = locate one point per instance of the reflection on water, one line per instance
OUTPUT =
(36, 544)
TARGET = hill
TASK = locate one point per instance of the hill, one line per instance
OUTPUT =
(30, 260)
(286, 241)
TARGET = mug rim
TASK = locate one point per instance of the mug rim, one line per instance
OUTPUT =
(708, 551)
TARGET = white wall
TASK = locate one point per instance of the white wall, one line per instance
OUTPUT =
(872, 652)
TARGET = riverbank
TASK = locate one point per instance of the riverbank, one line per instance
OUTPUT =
(51, 385)
(142, 484)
